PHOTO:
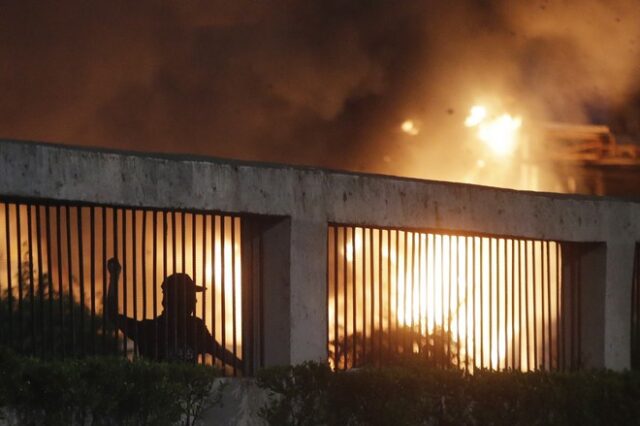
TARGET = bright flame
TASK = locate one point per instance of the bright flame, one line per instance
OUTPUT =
(484, 294)
(477, 114)
(410, 127)
(500, 134)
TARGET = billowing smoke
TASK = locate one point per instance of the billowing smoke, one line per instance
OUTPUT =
(320, 83)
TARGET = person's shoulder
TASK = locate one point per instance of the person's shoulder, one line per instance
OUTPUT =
(197, 321)
(149, 323)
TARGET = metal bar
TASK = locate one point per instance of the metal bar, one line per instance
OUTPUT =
(412, 291)
(261, 296)
(372, 286)
(535, 308)
(174, 261)
(457, 299)
(482, 304)
(184, 293)
(336, 337)
(92, 254)
(213, 278)
(40, 281)
(247, 295)
(197, 339)
(469, 307)
(154, 283)
(342, 339)
(558, 311)
(405, 289)
(353, 299)
(70, 278)
(125, 262)
(104, 280)
(473, 300)
(223, 299)
(420, 290)
(522, 299)
(526, 316)
(397, 336)
(442, 351)
(388, 334)
(204, 275)
(331, 302)
(364, 295)
(543, 262)
(165, 302)
(513, 303)
(31, 280)
(7, 215)
(144, 268)
(233, 293)
(549, 331)
(60, 287)
(20, 279)
(81, 278)
(505, 299)
(134, 262)
(116, 290)
(50, 277)
(491, 306)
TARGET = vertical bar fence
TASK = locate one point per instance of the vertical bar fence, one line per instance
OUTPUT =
(58, 298)
(456, 300)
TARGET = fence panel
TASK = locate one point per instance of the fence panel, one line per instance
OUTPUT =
(179, 294)
(456, 300)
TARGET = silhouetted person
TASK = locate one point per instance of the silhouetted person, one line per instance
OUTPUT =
(174, 335)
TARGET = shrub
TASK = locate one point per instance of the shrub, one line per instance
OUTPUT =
(416, 393)
(104, 391)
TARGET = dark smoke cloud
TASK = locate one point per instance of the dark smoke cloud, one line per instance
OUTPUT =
(319, 83)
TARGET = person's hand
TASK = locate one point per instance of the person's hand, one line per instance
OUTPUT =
(113, 266)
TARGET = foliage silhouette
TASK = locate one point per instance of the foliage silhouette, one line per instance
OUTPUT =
(382, 347)
(50, 323)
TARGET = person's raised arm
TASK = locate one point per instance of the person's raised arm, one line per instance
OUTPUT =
(122, 322)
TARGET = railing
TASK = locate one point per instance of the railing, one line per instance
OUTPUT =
(469, 301)
(58, 297)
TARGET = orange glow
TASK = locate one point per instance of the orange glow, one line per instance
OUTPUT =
(410, 127)
(498, 133)
(488, 305)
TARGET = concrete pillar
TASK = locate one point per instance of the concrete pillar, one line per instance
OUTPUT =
(591, 259)
(617, 304)
(274, 267)
(308, 291)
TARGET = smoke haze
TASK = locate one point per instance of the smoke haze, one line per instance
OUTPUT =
(317, 83)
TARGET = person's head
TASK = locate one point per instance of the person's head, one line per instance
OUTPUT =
(179, 294)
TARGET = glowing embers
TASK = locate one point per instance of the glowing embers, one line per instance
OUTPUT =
(499, 133)
(471, 302)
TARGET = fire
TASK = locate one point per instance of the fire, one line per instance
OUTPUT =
(410, 127)
(499, 133)
(484, 294)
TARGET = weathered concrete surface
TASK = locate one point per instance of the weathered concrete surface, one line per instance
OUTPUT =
(311, 198)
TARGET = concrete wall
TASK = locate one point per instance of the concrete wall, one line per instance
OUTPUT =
(310, 198)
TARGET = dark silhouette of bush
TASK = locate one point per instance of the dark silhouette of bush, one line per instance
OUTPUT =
(49, 323)
(382, 347)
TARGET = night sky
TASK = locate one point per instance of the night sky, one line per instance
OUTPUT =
(323, 83)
